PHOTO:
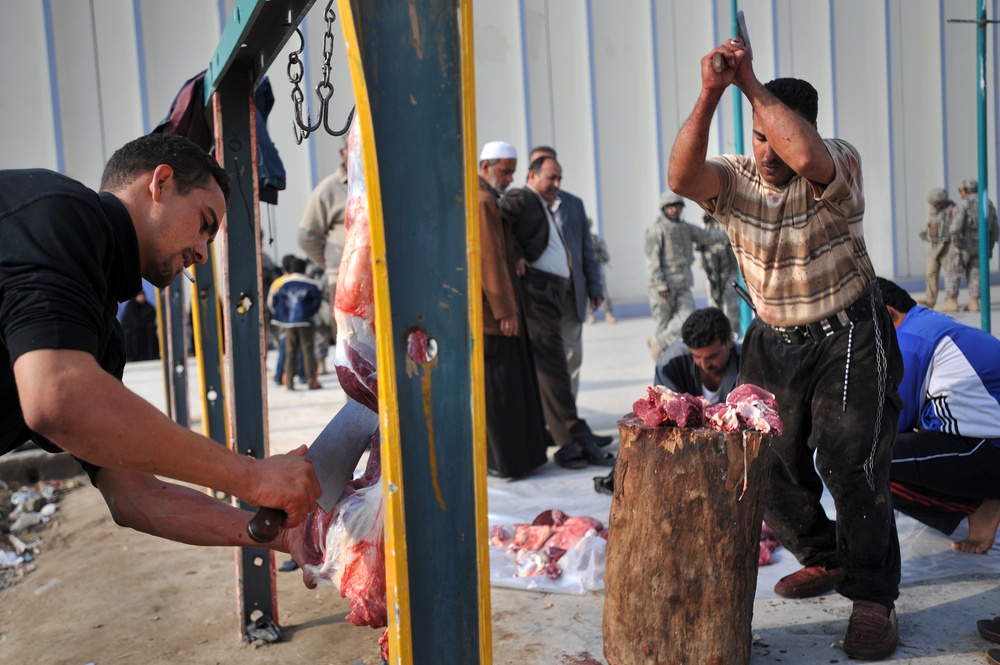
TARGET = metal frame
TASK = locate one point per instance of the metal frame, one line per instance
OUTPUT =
(412, 68)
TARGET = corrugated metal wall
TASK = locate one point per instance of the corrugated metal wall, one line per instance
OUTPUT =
(606, 82)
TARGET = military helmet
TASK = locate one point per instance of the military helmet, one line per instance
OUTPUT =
(937, 195)
(970, 185)
(670, 199)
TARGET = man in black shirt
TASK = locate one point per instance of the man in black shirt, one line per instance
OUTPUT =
(68, 256)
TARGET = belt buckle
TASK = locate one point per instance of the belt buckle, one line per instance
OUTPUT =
(791, 335)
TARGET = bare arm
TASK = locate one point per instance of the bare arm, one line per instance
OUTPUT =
(159, 508)
(69, 399)
(688, 173)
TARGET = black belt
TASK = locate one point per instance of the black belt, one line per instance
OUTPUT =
(814, 332)
(535, 273)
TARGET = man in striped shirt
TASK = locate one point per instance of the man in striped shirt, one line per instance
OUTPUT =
(821, 342)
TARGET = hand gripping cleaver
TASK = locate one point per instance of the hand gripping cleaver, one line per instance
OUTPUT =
(335, 454)
(718, 62)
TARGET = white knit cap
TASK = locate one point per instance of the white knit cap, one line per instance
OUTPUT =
(498, 150)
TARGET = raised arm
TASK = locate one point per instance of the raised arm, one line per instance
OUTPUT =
(688, 174)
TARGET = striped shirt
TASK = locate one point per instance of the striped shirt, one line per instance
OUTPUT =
(803, 258)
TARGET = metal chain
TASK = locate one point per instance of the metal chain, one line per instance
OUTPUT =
(324, 89)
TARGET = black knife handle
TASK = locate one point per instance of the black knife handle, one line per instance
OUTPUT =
(264, 526)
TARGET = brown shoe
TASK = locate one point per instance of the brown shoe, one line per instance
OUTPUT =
(989, 628)
(993, 656)
(808, 582)
(872, 631)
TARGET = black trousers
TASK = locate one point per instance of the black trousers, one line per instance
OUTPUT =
(545, 296)
(940, 478)
(850, 435)
(516, 438)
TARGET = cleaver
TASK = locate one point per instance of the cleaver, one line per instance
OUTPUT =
(718, 62)
(335, 454)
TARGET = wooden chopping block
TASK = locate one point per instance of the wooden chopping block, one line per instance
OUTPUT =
(683, 546)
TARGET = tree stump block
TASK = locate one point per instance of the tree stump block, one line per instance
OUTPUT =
(683, 545)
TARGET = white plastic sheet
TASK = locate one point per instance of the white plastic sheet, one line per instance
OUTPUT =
(926, 553)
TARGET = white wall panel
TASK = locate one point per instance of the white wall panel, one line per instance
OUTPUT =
(537, 58)
(28, 133)
(573, 124)
(626, 116)
(500, 84)
(861, 87)
(79, 92)
(116, 43)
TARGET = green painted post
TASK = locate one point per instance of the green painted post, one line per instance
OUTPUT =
(175, 347)
(984, 231)
(411, 55)
(244, 321)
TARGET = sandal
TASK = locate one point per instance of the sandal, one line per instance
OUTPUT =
(570, 456)
(989, 628)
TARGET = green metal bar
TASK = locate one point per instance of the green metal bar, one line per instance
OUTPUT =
(254, 35)
(176, 350)
(411, 55)
(207, 320)
(984, 231)
(243, 306)
(746, 314)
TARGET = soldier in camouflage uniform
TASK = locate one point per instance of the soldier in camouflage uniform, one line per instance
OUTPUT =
(963, 258)
(669, 254)
(719, 263)
(937, 235)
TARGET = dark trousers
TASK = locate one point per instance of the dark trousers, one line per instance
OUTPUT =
(852, 442)
(544, 297)
(939, 479)
(303, 337)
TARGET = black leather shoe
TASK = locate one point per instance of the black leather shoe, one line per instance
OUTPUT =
(570, 456)
(595, 455)
(601, 441)
(289, 566)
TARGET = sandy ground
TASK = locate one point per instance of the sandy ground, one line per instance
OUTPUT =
(101, 594)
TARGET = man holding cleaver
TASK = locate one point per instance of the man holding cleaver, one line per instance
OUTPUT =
(68, 256)
(821, 342)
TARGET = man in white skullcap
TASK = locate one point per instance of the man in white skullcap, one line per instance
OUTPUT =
(515, 427)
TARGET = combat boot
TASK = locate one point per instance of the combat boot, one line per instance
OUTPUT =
(949, 305)
(926, 302)
(974, 305)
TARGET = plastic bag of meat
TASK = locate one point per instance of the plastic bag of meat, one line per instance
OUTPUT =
(350, 546)
(555, 553)
(354, 303)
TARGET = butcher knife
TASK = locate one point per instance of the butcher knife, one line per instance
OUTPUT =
(718, 62)
(335, 454)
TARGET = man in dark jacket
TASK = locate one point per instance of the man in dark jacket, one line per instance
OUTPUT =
(544, 264)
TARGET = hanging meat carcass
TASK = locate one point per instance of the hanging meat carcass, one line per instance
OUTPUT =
(347, 547)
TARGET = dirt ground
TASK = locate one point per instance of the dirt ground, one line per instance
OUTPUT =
(102, 594)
